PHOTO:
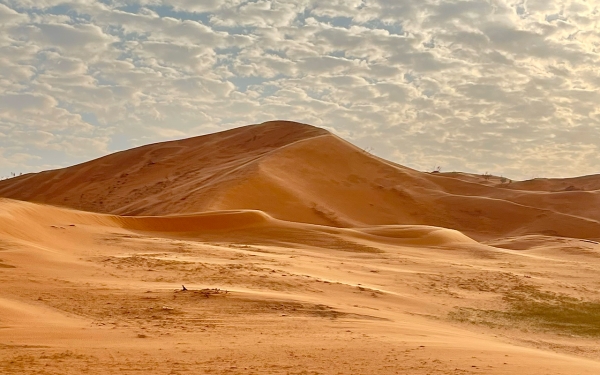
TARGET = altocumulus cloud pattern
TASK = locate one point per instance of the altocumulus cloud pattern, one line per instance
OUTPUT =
(509, 87)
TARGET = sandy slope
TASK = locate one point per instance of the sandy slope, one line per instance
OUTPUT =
(170, 177)
(92, 293)
(300, 173)
(302, 254)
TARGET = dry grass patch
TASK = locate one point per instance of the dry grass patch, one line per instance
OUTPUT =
(531, 308)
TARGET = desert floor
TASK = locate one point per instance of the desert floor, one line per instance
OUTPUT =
(100, 294)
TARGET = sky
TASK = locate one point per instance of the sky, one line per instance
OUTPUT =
(510, 88)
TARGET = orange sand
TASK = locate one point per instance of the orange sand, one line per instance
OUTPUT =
(334, 262)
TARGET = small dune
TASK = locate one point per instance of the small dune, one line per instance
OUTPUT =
(420, 234)
(208, 221)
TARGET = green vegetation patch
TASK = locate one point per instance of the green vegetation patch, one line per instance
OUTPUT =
(556, 312)
(535, 309)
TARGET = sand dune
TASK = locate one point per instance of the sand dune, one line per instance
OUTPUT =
(301, 254)
(29, 222)
(300, 173)
(163, 178)
(86, 292)
(584, 183)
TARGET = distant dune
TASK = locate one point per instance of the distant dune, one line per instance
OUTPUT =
(301, 173)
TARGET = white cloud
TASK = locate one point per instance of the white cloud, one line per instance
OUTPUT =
(10, 17)
(201, 6)
(259, 13)
(82, 40)
(505, 87)
(15, 104)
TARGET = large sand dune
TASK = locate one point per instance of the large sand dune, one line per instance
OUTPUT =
(301, 254)
(300, 173)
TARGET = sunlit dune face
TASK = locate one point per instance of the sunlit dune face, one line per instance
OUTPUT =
(510, 88)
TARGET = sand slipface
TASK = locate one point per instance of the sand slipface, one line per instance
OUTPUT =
(300, 254)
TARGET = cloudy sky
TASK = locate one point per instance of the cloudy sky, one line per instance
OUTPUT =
(510, 87)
